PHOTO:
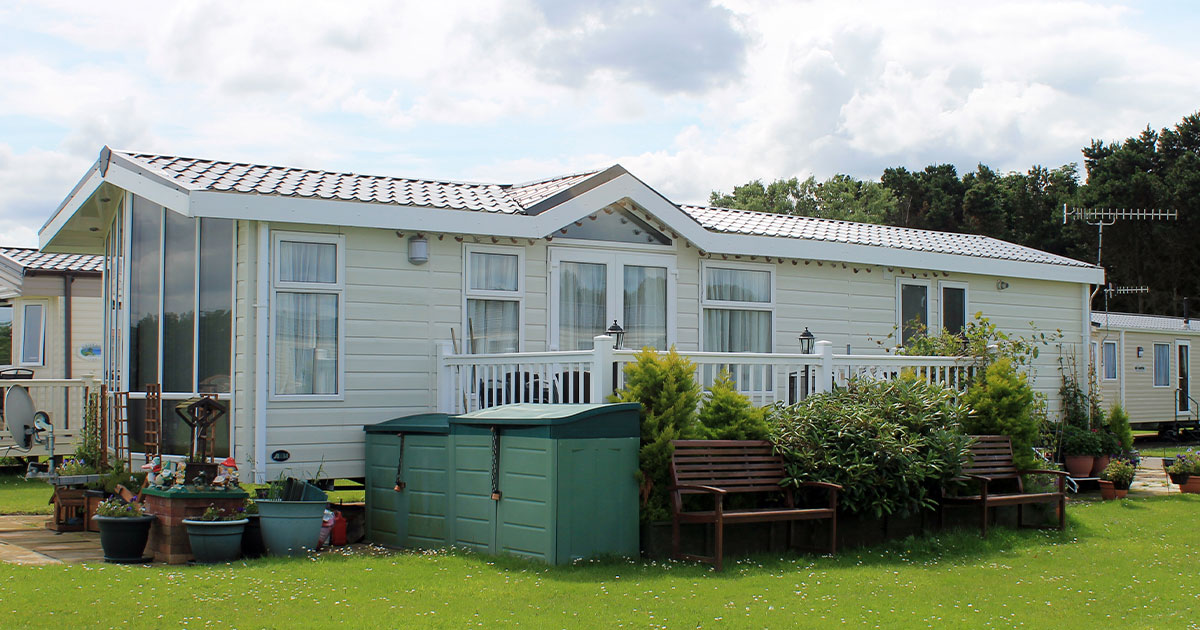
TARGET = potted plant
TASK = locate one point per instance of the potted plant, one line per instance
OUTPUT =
(290, 517)
(1107, 446)
(1118, 475)
(216, 535)
(1183, 469)
(124, 529)
(1079, 447)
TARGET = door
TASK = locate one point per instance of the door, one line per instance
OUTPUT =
(1183, 349)
(591, 289)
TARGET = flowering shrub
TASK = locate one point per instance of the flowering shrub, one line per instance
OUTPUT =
(75, 466)
(1185, 463)
(1120, 473)
(214, 513)
(115, 507)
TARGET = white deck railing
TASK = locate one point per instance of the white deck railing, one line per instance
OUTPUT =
(63, 399)
(468, 382)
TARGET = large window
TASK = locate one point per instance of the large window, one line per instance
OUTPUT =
(591, 289)
(739, 305)
(954, 307)
(912, 312)
(33, 333)
(177, 295)
(309, 280)
(495, 286)
(1162, 365)
(1110, 360)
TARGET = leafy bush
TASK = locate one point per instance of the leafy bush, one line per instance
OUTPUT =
(1120, 472)
(728, 415)
(669, 396)
(982, 341)
(1003, 404)
(1118, 424)
(1109, 444)
(1185, 463)
(889, 444)
(1078, 441)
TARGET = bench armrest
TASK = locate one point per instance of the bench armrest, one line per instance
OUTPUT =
(684, 486)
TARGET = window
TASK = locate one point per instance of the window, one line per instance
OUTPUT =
(309, 280)
(913, 312)
(494, 288)
(1110, 360)
(591, 288)
(739, 306)
(954, 307)
(1162, 365)
(6, 341)
(33, 333)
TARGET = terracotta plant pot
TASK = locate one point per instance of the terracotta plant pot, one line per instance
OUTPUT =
(1100, 464)
(1107, 491)
(1079, 466)
(1121, 492)
(1192, 486)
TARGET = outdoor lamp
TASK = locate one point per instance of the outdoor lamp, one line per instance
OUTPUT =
(616, 332)
(418, 250)
(806, 341)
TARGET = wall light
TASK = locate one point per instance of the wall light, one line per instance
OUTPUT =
(1140, 351)
(1002, 285)
(418, 250)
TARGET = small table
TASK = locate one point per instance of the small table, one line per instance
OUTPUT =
(168, 535)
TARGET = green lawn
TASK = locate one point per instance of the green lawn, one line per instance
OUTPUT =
(18, 496)
(1166, 450)
(1129, 564)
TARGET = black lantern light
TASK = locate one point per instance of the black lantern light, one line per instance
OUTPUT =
(617, 333)
(806, 341)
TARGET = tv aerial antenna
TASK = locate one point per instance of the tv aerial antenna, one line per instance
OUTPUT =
(1100, 217)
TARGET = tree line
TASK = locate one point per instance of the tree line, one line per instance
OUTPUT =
(1152, 170)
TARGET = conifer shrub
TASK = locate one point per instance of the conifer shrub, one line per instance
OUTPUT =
(1003, 405)
(665, 387)
(728, 415)
(1118, 424)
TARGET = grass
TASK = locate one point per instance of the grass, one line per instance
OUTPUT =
(1121, 564)
(20, 496)
(1166, 450)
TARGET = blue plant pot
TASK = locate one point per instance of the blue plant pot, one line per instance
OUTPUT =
(215, 541)
(123, 539)
(290, 528)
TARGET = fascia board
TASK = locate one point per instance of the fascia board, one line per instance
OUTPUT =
(145, 183)
(67, 209)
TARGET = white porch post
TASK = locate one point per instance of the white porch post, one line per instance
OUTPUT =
(602, 364)
(445, 379)
(825, 372)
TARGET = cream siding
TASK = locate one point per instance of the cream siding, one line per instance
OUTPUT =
(1134, 387)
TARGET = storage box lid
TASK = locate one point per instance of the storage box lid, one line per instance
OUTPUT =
(617, 420)
(428, 423)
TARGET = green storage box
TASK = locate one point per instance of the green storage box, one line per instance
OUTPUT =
(407, 496)
(565, 481)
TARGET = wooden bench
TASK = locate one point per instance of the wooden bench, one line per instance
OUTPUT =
(725, 467)
(991, 461)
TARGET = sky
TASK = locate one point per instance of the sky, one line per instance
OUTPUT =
(689, 96)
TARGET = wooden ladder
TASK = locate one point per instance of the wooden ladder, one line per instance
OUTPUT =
(153, 421)
(120, 423)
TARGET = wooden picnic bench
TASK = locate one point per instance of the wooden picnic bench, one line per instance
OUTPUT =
(725, 467)
(991, 461)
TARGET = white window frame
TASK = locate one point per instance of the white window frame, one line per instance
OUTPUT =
(517, 296)
(20, 358)
(12, 346)
(1154, 362)
(929, 323)
(615, 260)
(336, 288)
(729, 305)
(942, 286)
(1104, 361)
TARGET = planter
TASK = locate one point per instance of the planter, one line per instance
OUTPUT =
(1107, 491)
(252, 541)
(1192, 486)
(215, 541)
(123, 539)
(1179, 478)
(290, 528)
(1121, 492)
(92, 500)
(1100, 463)
(1079, 466)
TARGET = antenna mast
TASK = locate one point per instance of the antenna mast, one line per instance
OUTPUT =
(1101, 217)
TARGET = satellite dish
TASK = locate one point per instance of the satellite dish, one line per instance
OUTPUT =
(18, 415)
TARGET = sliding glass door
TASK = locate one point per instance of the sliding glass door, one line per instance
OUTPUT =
(592, 289)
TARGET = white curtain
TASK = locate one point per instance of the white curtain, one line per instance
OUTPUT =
(32, 334)
(492, 326)
(583, 296)
(307, 262)
(1162, 365)
(728, 330)
(645, 312)
(306, 338)
(493, 272)
(737, 285)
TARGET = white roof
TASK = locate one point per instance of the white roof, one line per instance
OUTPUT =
(1133, 321)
